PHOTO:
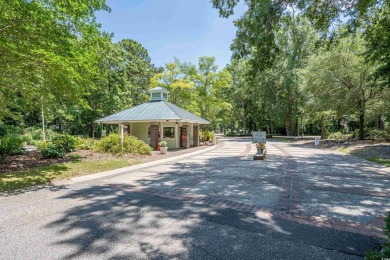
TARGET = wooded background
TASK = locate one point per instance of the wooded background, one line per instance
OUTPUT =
(298, 66)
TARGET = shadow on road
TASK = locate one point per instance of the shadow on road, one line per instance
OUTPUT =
(118, 224)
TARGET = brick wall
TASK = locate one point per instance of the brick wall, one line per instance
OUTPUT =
(185, 131)
(196, 135)
(153, 135)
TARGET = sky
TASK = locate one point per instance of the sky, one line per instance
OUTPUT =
(186, 29)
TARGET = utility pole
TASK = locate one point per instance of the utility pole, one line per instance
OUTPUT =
(43, 121)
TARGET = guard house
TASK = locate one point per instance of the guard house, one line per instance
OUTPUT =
(159, 120)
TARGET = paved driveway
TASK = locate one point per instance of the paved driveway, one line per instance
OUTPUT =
(300, 203)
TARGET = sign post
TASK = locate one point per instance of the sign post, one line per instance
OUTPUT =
(260, 139)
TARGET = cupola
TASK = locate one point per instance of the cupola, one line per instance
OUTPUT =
(158, 94)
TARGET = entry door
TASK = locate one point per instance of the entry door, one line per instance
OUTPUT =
(153, 135)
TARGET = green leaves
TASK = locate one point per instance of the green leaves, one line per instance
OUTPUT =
(47, 49)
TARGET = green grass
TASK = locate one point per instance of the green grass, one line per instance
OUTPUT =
(41, 175)
(385, 162)
(346, 150)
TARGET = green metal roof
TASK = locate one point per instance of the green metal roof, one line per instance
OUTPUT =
(153, 111)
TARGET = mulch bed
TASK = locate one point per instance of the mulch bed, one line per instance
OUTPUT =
(33, 159)
(30, 160)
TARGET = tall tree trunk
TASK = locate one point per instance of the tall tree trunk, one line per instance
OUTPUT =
(289, 125)
(323, 134)
(362, 106)
(361, 125)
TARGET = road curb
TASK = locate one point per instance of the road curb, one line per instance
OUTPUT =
(119, 171)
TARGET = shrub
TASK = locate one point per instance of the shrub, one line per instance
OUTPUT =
(36, 133)
(377, 134)
(65, 142)
(231, 134)
(11, 144)
(338, 136)
(86, 143)
(40, 144)
(210, 136)
(384, 253)
(28, 138)
(112, 144)
(52, 151)
(206, 135)
(60, 145)
(355, 134)
(9, 130)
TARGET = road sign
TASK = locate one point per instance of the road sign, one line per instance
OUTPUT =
(259, 137)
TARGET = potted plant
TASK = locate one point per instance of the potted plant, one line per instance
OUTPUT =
(163, 147)
(260, 148)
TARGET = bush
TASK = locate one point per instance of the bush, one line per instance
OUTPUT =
(384, 253)
(355, 134)
(9, 130)
(40, 144)
(377, 134)
(86, 143)
(11, 144)
(52, 151)
(206, 135)
(65, 142)
(338, 136)
(36, 133)
(231, 134)
(28, 138)
(60, 145)
(112, 144)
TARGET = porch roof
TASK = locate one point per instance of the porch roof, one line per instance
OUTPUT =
(153, 111)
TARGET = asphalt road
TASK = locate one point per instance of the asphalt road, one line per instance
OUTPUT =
(113, 218)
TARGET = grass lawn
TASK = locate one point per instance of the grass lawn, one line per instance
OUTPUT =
(41, 175)
(385, 162)
(344, 150)
(347, 150)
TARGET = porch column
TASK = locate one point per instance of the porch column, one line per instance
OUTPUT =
(153, 135)
(161, 132)
(196, 135)
(185, 130)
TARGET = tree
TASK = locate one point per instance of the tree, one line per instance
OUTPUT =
(177, 77)
(339, 79)
(377, 38)
(257, 27)
(48, 48)
(201, 90)
(272, 96)
(210, 87)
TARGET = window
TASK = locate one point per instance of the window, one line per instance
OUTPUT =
(156, 96)
(169, 132)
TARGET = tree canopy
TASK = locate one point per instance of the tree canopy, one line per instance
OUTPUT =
(298, 66)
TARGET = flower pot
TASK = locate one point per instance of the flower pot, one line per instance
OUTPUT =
(260, 151)
(163, 150)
